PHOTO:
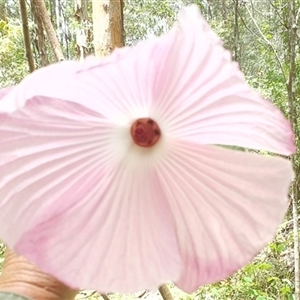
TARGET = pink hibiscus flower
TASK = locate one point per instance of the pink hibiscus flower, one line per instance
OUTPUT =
(111, 177)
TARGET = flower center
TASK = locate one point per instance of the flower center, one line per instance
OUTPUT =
(145, 132)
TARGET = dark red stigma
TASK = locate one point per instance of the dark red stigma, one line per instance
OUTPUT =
(145, 132)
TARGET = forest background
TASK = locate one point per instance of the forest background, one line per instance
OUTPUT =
(262, 35)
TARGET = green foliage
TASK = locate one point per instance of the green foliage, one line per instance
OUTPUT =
(145, 19)
(14, 66)
(2, 251)
(268, 277)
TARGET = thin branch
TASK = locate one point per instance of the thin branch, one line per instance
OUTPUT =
(288, 223)
(26, 35)
(41, 6)
(249, 29)
(268, 43)
(104, 296)
(297, 16)
(276, 7)
(142, 294)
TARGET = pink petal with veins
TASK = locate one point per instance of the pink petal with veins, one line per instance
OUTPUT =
(233, 203)
(87, 205)
(86, 192)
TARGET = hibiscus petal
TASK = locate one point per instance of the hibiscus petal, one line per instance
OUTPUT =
(114, 90)
(72, 179)
(56, 81)
(184, 80)
(204, 97)
(226, 206)
(4, 92)
(83, 207)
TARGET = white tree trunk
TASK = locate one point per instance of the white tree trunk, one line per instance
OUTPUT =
(101, 28)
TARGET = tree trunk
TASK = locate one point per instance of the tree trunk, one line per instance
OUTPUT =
(40, 41)
(26, 35)
(117, 25)
(165, 292)
(101, 28)
(83, 32)
(291, 86)
(107, 26)
(40, 5)
(294, 196)
(236, 34)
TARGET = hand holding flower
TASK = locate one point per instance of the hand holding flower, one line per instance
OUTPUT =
(21, 277)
